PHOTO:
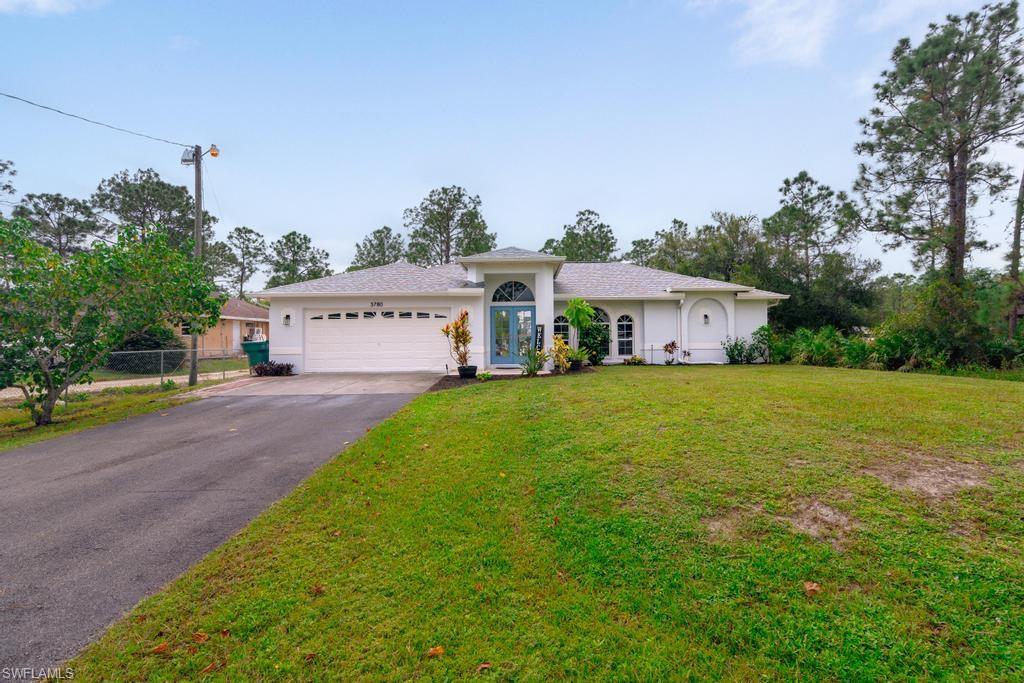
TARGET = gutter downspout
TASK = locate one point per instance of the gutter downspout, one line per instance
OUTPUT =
(679, 326)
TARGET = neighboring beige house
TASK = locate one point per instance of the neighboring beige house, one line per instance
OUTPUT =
(238, 322)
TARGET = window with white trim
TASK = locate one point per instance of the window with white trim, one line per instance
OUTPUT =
(561, 327)
(601, 318)
(512, 290)
(624, 334)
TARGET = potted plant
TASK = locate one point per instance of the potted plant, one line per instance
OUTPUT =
(576, 358)
(459, 339)
(670, 350)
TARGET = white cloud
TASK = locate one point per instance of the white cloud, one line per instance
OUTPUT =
(42, 6)
(889, 13)
(786, 31)
(797, 31)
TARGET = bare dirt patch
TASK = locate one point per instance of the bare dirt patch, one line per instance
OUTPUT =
(820, 521)
(727, 526)
(930, 476)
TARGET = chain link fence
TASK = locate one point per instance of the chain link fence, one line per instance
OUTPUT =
(174, 364)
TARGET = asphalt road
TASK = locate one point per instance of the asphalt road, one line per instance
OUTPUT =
(91, 523)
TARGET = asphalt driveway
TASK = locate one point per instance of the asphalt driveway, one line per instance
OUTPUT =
(95, 521)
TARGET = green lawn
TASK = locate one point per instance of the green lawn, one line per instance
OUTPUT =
(628, 524)
(85, 410)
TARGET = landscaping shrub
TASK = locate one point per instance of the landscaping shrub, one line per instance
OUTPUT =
(534, 362)
(739, 351)
(560, 351)
(635, 360)
(154, 339)
(273, 369)
(670, 349)
(856, 352)
(761, 341)
(594, 338)
(824, 347)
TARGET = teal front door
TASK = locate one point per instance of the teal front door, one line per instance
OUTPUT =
(512, 330)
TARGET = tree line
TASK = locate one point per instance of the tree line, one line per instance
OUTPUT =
(926, 161)
(143, 200)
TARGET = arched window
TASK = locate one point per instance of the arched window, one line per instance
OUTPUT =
(624, 334)
(512, 291)
(601, 318)
(561, 327)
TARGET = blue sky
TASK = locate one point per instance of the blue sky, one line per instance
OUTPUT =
(334, 117)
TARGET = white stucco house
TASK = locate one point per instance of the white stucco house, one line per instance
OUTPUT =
(389, 318)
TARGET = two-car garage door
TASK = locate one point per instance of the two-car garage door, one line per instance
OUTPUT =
(348, 340)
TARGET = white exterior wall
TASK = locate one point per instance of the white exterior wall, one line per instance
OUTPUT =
(661, 326)
(750, 315)
(287, 344)
(614, 308)
(539, 277)
(707, 351)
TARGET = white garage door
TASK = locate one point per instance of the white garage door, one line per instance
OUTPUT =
(347, 340)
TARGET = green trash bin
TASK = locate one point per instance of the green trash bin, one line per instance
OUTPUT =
(258, 352)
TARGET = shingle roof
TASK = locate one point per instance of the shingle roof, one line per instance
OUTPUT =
(237, 308)
(511, 254)
(618, 279)
(397, 277)
(589, 280)
(761, 294)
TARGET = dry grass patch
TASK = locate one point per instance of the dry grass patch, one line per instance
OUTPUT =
(930, 476)
(728, 527)
(821, 522)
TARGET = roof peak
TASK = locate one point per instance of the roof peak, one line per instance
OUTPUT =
(509, 254)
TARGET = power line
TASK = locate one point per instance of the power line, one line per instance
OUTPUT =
(95, 123)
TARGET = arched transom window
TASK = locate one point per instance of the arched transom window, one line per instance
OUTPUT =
(624, 335)
(601, 318)
(512, 291)
(561, 327)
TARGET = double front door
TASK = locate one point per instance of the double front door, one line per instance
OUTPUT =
(512, 333)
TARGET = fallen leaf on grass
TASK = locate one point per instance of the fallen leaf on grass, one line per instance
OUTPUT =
(200, 637)
(310, 656)
(435, 651)
(483, 666)
(317, 589)
(161, 648)
(225, 633)
(212, 666)
(192, 649)
(811, 588)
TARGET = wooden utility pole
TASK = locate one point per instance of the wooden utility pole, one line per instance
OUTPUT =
(197, 237)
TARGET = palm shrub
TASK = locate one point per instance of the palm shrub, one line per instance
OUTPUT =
(824, 347)
(856, 352)
(580, 314)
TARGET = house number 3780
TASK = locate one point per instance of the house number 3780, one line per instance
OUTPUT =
(376, 304)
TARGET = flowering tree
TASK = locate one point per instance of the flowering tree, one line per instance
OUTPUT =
(59, 318)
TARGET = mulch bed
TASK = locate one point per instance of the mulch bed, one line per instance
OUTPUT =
(454, 381)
